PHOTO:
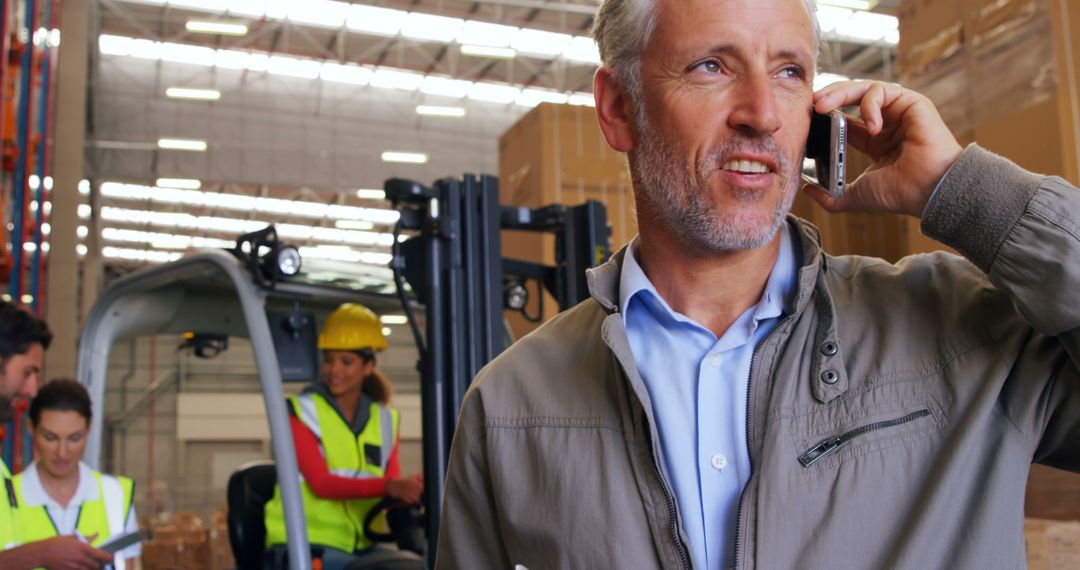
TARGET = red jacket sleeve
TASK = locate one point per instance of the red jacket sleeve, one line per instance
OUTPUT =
(318, 477)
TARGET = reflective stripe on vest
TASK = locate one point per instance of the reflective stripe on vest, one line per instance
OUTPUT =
(334, 522)
(95, 517)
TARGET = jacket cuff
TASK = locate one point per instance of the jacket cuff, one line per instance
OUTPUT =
(977, 204)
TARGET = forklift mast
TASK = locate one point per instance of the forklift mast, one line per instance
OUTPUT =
(455, 268)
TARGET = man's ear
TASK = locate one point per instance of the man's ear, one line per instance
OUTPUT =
(614, 110)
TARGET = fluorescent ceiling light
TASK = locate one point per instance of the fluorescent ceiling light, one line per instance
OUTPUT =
(129, 254)
(218, 28)
(393, 319)
(353, 225)
(375, 21)
(434, 85)
(293, 67)
(420, 26)
(348, 256)
(258, 62)
(82, 231)
(351, 74)
(109, 44)
(184, 53)
(434, 111)
(853, 4)
(197, 94)
(494, 92)
(386, 331)
(81, 249)
(146, 49)
(485, 34)
(242, 203)
(533, 97)
(181, 183)
(230, 226)
(405, 157)
(487, 51)
(197, 4)
(231, 59)
(823, 79)
(319, 13)
(253, 8)
(371, 194)
(829, 17)
(582, 49)
(393, 79)
(541, 43)
(162, 240)
(182, 144)
(869, 26)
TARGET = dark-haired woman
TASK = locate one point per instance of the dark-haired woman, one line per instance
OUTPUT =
(58, 494)
(346, 438)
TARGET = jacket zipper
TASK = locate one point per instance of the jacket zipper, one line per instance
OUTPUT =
(672, 518)
(831, 444)
(749, 450)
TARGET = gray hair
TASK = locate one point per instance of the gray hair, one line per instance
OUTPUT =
(622, 29)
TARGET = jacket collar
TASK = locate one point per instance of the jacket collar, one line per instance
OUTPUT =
(829, 378)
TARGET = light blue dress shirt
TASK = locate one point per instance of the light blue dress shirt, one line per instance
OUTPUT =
(698, 386)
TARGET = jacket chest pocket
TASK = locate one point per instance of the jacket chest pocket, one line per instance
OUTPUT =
(835, 436)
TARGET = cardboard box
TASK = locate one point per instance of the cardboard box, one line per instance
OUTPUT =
(1052, 545)
(556, 154)
(1005, 71)
(182, 540)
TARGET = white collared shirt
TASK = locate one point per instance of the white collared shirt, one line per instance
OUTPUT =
(66, 519)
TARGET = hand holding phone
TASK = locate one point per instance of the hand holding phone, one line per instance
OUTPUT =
(826, 144)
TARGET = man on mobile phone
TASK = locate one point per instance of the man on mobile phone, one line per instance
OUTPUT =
(23, 340)
(733, 396)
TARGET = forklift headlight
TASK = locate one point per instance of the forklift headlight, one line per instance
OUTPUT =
(287, 261)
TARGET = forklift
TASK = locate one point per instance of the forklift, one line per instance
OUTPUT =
(449, 269)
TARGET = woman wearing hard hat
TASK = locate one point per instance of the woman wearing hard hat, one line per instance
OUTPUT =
(346, 437)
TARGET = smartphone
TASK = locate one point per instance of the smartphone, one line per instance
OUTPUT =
(118, 543)
(825, 145)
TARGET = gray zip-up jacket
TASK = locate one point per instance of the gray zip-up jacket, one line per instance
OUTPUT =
(892, 416)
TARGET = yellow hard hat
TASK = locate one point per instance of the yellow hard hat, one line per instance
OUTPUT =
(352, 327)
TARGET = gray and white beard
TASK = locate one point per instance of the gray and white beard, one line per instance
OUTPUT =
(681, 203)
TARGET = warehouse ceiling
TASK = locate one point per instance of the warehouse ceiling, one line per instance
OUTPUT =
(308, 96)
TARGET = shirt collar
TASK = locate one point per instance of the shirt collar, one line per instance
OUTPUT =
(34, 493)
(776, 299)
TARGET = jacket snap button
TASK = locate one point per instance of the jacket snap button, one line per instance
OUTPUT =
(829, 377)
(829, 348)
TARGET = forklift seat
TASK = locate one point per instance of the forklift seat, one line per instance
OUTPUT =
(250, 488)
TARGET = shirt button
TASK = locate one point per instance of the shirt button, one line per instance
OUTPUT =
(719, 462)
(716, 360)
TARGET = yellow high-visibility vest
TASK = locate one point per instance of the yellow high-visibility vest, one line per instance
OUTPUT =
(8, 525)
(106, 516)
(337, 523)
